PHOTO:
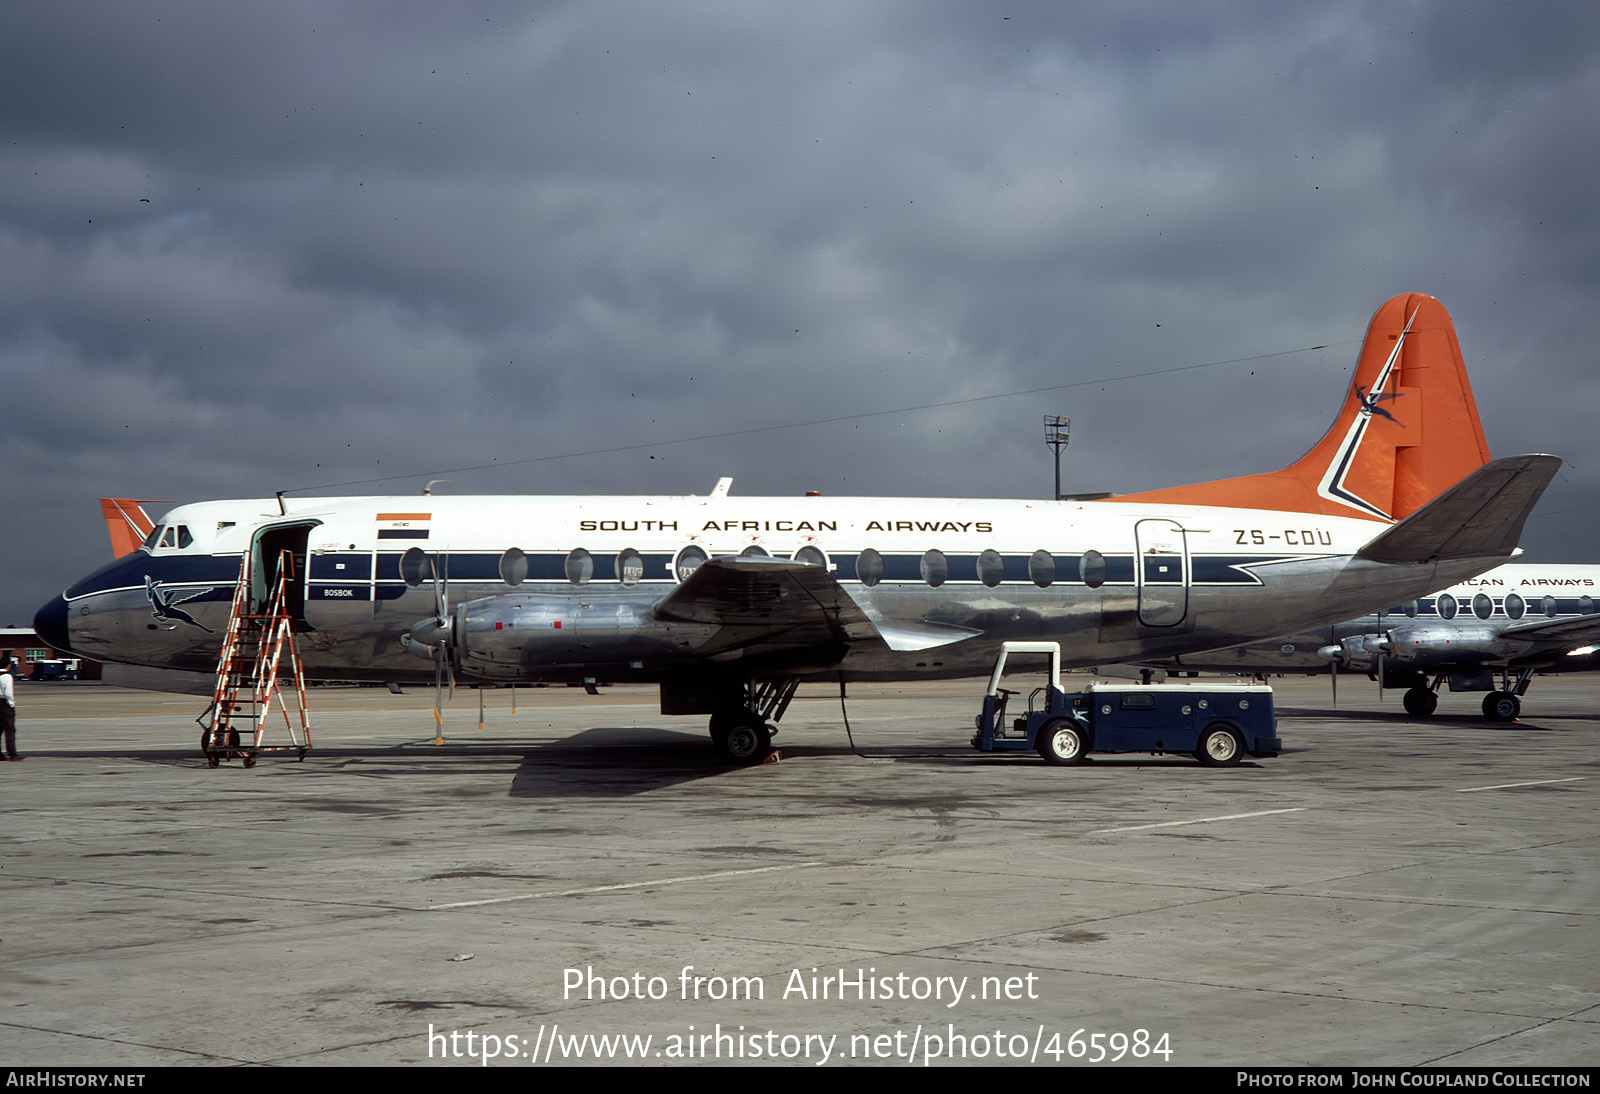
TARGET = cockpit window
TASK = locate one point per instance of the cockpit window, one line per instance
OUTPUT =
(172, 535)
(152, 538)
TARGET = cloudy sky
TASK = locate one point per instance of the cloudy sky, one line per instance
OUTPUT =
(345, 248)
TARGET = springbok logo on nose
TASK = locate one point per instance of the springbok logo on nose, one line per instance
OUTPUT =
(164, 606)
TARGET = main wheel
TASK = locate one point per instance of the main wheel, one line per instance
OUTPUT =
(1501, 706)
(1420, 702)
(1219, 746)
(746, 743)
(1062, 741)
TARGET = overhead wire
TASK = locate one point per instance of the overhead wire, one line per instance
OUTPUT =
(834, 419)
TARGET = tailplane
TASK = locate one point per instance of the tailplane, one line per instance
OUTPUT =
(1408, 430)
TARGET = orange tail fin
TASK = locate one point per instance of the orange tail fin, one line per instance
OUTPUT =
(127, 522)
(1407, 431)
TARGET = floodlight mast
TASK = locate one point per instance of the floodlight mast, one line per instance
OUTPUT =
(1056, 430)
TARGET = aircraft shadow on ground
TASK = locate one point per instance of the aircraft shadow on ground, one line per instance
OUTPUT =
(1472, 719)
(620, 762)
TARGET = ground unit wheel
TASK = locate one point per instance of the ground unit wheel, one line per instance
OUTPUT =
(745, 743)
(1420, 702)
(1219, 746)
(1501, 706)
(1062, 741)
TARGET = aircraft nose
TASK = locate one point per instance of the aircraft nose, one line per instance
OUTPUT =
(50, 624)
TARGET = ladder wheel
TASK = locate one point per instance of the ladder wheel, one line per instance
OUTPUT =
(249, 759)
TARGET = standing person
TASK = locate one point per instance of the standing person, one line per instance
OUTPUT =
(8, 707)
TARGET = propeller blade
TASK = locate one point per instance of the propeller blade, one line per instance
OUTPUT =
(1333, 667)
(441, 607)
(438, 714)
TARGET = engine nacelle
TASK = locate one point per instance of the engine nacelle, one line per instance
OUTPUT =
(567, 636)
(1423, 645)
(1356, 652)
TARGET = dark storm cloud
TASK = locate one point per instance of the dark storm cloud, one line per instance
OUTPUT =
(255, 246)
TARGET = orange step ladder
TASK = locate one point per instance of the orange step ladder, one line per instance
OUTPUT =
(256, 649)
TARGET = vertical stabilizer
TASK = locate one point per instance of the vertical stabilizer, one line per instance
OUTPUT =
(1408, 430)
(127, 522)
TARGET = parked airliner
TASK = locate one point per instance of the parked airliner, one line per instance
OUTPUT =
(728, 602)
(1486, 634)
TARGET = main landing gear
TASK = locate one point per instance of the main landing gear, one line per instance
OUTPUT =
(1501, 705)
(743, 730)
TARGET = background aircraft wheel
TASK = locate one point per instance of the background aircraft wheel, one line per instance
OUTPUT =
(746, 743)
(1219, 746)
(1420, 701)
(1062, 741)
(1501, 706)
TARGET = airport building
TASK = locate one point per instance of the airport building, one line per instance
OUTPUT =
(37, 660)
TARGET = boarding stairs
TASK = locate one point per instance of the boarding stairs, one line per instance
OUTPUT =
(258, 664)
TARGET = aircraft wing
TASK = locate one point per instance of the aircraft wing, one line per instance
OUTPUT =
(1479, 517)
(769, 603)
(1569, 633)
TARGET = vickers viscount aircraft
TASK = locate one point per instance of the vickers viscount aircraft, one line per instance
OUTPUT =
(1510, 623)
(728, 602)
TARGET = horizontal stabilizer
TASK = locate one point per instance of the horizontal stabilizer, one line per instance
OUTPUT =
(1479, 517)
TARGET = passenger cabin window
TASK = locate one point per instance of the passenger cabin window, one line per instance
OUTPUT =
(1093, 569)
(811, 556)
(687, 562)
(1549, 606)
(1515, 606)
(1042, 568)
(935, 568)
(991, 568)
(513, 567)
(1586, 605)
(1482, 606)
(580, 566)
(630, 566)
(1447, 606)
(414, 566)
(869, 567)
(754, 551)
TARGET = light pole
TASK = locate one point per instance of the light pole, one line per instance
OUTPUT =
(1056, 429)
